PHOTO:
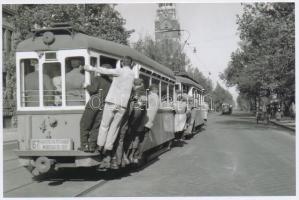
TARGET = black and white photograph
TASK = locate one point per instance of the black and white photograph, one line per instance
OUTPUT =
(164, 99)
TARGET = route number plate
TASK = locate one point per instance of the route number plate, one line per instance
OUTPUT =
(51, 144)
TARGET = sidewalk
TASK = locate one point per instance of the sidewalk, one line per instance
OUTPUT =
(285, 123)
(10, 135)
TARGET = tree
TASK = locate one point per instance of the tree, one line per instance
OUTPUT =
(266, 56)
(198, 76)
(169, 53)
(243, 103)
(166, 52)
(99, 20)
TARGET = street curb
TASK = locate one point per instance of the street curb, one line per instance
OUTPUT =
(284, 126)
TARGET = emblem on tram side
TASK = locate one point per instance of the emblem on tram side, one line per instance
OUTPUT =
(48, 124)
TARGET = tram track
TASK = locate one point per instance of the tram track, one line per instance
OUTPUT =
(13, 169)
(70, 181)
(19, 187)
(92, 188)
(9, 160)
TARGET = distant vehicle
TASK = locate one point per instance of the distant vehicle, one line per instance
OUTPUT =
(227, 108)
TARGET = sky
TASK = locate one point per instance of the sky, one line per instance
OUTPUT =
(212, 28)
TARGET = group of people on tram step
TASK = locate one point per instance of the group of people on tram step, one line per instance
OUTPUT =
(115, 120)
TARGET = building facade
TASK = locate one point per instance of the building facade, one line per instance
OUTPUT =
(166, 23)
(8, 33)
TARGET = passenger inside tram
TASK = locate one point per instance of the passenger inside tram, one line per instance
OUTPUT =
(74, 89)
(53, 71)
(32, 87)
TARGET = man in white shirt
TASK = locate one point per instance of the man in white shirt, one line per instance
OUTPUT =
(115, 102)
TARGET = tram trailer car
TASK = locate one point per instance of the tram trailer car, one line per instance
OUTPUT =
(195, 101)
(49, 130)
(226, 109)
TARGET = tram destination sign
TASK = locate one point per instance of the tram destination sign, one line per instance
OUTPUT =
(51, 144)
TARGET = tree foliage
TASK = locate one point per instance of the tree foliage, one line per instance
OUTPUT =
(266, 54)
(99, 20)
(198, 76)
(170, 54)
(166, 52)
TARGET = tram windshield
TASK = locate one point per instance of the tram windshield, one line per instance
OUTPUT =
(74, 81)
(52, 84)
(29, 69)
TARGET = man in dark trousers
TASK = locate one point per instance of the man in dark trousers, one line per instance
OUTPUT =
(92, 116)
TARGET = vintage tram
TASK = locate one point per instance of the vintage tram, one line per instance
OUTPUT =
(49, 117)
(226, 109)
(196, 113)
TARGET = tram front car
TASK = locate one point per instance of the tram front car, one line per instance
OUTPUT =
(51, 99)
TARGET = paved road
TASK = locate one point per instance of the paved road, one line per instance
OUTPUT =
(232, 157)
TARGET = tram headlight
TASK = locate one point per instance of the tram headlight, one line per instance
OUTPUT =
(48, 38)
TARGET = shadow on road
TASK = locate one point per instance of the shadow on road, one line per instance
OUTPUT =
(88, 174)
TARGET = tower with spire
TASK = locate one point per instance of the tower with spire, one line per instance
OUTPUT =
(166, 23)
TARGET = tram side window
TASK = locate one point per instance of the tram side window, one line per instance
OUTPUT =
(108, 60)
(74, 81)
(171, 91)
(194, 97)
(29, 69)
(94, 63)
(185, 89)
(52, 84)
(156, 82)
(146, 80)
(164, 91)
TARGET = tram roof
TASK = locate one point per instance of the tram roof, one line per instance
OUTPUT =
(188, 81)
(83, 41)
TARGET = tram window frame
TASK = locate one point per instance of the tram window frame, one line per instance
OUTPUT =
(146, 83)
(57, 86)
(23, 102)
(163, 84)
(184, 87)
(171, 94)
(112, 59)
(74, 102)
(195, 97)
(153, 79)
(94, 63)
